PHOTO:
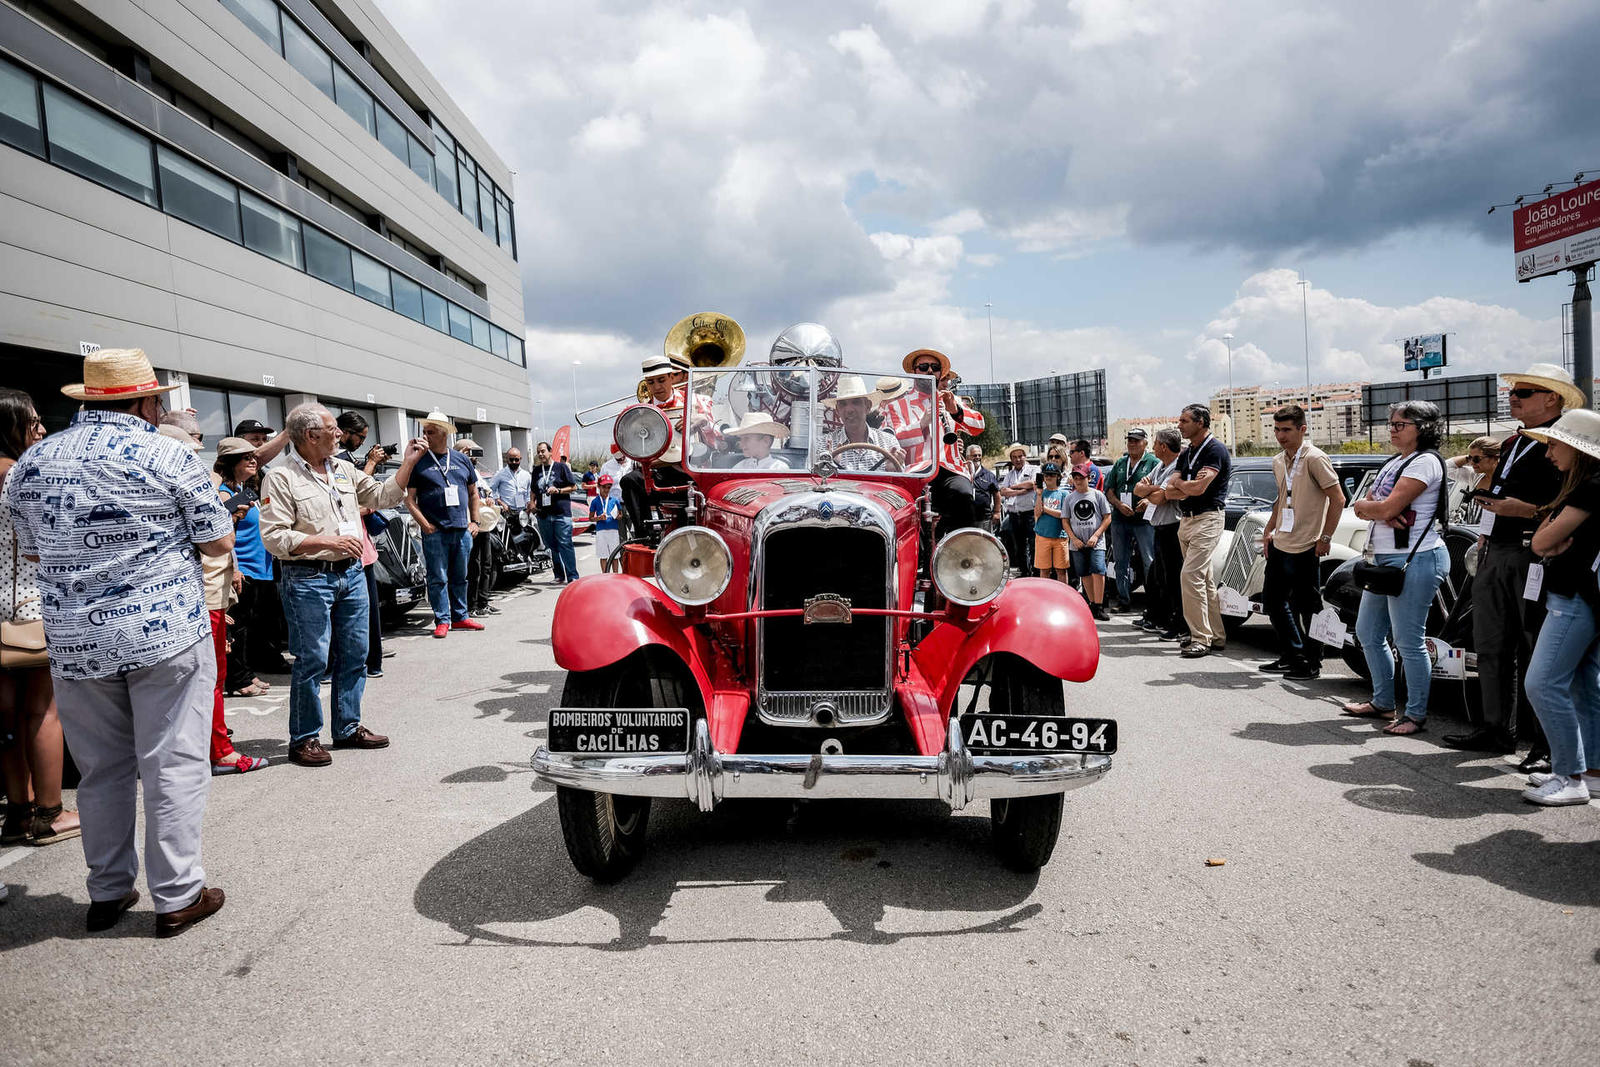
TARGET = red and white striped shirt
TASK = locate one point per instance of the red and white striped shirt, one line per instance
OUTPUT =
(904, 416)
(702, 407)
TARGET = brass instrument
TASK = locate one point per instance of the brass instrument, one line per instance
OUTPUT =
(706, 339)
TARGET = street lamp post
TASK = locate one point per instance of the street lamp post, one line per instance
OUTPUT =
(576, 430)
(988, 310)
(1233, 428)
(1305, 319)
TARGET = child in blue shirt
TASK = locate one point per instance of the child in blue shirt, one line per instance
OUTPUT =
(1049, 535)
(603, 513)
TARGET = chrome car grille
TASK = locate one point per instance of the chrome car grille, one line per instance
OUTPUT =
(847, 709)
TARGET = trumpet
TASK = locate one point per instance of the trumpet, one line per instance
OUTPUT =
(705, 339)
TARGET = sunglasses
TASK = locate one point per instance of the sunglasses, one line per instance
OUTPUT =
(1524, 393)
(925, 368)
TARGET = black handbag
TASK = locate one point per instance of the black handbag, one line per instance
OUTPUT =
(1385, 579)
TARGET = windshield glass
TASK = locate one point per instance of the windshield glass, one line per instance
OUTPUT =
(758, 419)
(1251, 485)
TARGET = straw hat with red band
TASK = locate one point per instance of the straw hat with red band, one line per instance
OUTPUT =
(911, 360)
(117, 374)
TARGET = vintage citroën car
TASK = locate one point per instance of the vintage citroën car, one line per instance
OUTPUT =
(786, 625)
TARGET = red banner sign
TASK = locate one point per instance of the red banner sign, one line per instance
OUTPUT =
(560, 445)
(1557, 233)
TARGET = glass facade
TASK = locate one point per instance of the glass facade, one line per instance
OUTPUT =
(355, 101)
(19, 110)
(262, 18)
(100, 148)
(196, 195)
(307, 56)
(372, 280)
(270, 230)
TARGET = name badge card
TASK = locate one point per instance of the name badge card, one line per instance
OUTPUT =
(1127, 500)
(1535, 583)
(452, 496)
(350, 528)
(1285, 520)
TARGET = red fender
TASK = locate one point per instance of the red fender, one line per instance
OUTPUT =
(1045, 622)
(605, 618)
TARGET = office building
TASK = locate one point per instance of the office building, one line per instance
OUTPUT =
(273, 198)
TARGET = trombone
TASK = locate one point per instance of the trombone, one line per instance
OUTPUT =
(704, 339)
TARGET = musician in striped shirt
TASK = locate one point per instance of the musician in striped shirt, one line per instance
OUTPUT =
(909, 418)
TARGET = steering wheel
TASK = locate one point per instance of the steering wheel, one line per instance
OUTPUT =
(869, 447)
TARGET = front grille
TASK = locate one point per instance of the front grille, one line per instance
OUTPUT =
(1241, 556)
(846, 664)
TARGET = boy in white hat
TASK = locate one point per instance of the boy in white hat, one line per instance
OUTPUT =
(756, 434)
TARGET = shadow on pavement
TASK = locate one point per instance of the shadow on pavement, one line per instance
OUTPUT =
(519, 706)
(1379, 778)
(1522, 861)
(1228, 681)
(857, 859)
(1345, 731)
(30, 920)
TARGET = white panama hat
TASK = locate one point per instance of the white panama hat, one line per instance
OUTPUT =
(1551, 377)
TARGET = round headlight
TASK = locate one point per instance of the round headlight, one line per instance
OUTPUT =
(693, 565)
(969, 567)
(642, 432)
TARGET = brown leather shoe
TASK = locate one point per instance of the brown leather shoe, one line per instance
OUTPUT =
(310, 754)
(104, 914)
(361, 737)
(208, 903)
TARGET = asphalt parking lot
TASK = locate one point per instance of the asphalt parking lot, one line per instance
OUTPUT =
(1383, 901)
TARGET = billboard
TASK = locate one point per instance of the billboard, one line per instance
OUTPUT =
(1470, 398)
(1424, 353)
(1557, 233)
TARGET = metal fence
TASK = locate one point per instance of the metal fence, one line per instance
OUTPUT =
(1032, 410)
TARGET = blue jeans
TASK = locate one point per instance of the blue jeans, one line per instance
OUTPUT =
(1563, 684)
(325, 609)
(444, 553)
(1087, 560)
(1404, 620)
(556, 533)
(1125, 534)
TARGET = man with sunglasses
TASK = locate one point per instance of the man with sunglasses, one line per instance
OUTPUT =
(1504, 624)
(909, 418)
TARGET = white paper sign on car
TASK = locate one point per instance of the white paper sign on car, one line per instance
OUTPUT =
(1448, 662)
(1233, 602)
(1326, 627)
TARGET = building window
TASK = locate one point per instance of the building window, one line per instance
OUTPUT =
(421, 161)
(307, 56)
(497, 341)
(19, 109)
(353, 99)
(262, 18)
(372, 280)
(480, 333)
(469, 189)
(486, 203)
(444, 171)
(195, 195)
(460, 323)
(514, 347)
(271, 230)
(407, 296)
(393, 135)
(433, 311)
(502, 210)
(328, 259)
(98, 147)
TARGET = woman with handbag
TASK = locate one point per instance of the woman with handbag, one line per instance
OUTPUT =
(1407, 560)
(1563, 682)
(33, 760)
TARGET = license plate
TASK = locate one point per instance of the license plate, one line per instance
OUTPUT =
(402, 596)
(618, 731)
(1028, 734)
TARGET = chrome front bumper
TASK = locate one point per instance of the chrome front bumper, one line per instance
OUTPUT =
(707, 776)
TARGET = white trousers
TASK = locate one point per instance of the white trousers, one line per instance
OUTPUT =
(152, 724)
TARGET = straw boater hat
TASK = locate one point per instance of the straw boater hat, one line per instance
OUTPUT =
(168, 430)
(464, 443)
(1579, 428)
(912, 357)
(758, 422)
(850, 387)
(117, 374)
(656, 366)
(234, 446)
(892, 388)
(439, 418)
(1017, 446)
(1551, 377)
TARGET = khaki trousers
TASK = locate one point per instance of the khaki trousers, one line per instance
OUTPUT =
(1197, 539)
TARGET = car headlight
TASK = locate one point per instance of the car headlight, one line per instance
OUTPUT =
(642, 432)
(969, 567)
(693, 565)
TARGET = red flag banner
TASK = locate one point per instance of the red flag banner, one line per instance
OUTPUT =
(562, 442)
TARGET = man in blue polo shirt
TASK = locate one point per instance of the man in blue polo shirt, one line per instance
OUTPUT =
(443, 498)
(1200, 485)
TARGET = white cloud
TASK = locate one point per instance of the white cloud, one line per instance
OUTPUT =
(926, 19)
(611, 133)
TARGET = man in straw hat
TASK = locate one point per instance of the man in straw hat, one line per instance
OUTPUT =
(756, 434)
(1018, 489)
(665, 382)
(1504, 624)
(443, 498)
(114, 512)
(311, 521)
(852, 402)
(912, 414)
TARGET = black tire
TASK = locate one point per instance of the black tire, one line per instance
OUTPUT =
(605, 833)
(1024, 829)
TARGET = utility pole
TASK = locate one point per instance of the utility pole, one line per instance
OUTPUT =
(1582, 334)
(576, 430)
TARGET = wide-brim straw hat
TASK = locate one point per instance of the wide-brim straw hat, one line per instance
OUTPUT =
(439, 418)
(176, 434)
(116, 374)
(1579, 428)
(1016, 446)
(850, 387)
(891, 388)
(464, 443)
(234, 446)
(758, 422)
(1551, 377)
(1058, 439)
(912, 357)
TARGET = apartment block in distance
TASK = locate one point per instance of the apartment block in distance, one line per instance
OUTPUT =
(273, 198)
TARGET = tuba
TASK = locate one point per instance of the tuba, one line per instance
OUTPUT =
(706, 339)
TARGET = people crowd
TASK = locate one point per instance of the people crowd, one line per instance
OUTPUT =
(250, 570)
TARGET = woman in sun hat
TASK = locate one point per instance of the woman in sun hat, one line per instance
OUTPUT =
(756, 434)
(1563, 680)
(852, 402)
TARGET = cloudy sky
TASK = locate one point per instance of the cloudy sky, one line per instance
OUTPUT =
(1124, 180)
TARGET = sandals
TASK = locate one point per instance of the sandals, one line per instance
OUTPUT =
(18, 824)
(254, 689)
(242, 765)
(1366, 709)
(44, 833)
(1404, 727)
